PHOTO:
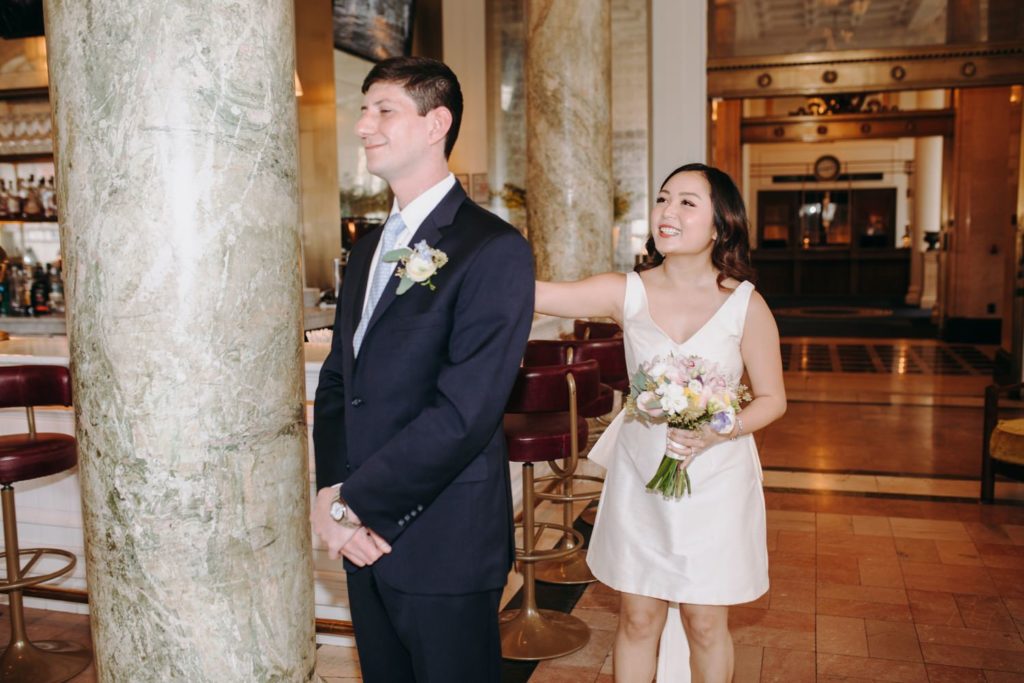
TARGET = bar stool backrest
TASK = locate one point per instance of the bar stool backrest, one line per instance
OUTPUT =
(589, 329)
(34, 385)
(609, 353)
(543, 389)
(546, 352)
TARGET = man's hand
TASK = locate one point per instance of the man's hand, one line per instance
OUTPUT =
(365, 547)
(360, 545)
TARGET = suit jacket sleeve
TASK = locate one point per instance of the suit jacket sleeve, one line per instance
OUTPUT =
(493, 315)
(329, 449)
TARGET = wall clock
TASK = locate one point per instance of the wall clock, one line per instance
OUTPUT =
(826, 167)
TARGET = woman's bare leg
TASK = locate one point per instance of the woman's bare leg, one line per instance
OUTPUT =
(711, 652)
(641, 620)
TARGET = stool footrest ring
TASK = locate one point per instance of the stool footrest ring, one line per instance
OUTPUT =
(552, 553)
(22, 581)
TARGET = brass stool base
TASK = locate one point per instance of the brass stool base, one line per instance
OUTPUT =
(569, 571)
(47, 661)
(532, 635)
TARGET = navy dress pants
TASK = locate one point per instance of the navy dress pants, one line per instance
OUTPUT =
(410, 638)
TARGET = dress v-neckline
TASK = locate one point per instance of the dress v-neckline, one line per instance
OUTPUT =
(647, 309)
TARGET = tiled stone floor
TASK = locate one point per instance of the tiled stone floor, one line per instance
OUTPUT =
(887, 356)
(883, 565)
(861, 590)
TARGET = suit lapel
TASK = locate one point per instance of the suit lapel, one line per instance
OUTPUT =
(359, 270)
(429, 231)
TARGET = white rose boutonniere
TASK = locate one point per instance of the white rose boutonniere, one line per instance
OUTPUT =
(417, 265)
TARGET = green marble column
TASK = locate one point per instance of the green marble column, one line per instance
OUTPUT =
(569, 188)
(176, 166)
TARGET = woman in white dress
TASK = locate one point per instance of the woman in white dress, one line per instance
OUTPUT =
(707, 550)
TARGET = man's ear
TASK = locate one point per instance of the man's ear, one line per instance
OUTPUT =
(440, 119)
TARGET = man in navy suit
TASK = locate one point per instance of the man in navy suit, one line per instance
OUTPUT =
(408, 414)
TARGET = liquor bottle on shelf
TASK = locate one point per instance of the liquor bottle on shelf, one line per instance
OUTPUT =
(3, 200)
(33, 206)
(13, 201)
(26, 290)
(16, 285)
(56, 289)
(40, 291)
(49, 199)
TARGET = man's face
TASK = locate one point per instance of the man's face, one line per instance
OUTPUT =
(396, 138)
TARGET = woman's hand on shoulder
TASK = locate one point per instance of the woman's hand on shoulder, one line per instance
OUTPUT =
(600, 296)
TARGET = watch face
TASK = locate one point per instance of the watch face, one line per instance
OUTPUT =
(826, 168)
(337, 511)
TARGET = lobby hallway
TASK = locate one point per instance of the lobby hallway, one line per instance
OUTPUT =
(884, 567)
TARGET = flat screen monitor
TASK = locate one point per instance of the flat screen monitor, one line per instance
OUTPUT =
(373, 29)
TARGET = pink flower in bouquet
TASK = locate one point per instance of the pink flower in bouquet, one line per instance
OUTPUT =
(649, 403)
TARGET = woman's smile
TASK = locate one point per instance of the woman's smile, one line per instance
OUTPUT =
(668, 231)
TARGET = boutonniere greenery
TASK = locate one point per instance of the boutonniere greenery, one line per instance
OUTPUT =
(416, 265)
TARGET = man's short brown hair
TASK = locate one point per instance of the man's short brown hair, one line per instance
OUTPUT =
(428, 82)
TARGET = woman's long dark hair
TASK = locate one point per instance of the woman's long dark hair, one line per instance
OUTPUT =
(730, 254)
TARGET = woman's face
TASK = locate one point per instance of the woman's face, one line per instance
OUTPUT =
(682, 220)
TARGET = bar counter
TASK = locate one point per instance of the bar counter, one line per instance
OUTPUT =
(49, 509)
(54, 324)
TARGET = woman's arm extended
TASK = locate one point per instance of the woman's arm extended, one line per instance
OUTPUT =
(600, 296)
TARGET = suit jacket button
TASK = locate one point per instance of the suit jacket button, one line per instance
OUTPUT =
(356, 402)
(401, 523)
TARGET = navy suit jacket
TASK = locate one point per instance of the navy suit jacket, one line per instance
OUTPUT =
(413, 426)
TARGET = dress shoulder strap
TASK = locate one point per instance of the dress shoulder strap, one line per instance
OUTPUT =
(742, 302)
(635, 297)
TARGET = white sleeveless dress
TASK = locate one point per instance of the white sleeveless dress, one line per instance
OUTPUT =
(709, 548)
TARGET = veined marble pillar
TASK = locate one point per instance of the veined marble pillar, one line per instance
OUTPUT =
(176, 167)
(927, 204)
(569, 189)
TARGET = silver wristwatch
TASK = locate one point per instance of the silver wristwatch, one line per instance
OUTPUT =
(339, 512)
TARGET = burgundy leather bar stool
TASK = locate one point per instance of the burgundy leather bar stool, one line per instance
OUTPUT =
(23, 457)
(591, 329)
(564, 352)
(610, 354)
(542, 424)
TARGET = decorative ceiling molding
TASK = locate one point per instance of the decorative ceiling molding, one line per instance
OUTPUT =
(842, 103)
(866, 70)
(834, 127)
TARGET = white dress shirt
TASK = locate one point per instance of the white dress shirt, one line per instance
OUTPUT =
(413, 216)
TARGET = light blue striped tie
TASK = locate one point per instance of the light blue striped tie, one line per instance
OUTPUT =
(381, 274)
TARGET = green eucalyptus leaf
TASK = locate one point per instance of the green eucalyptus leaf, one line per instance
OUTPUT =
(397, 255)
(404, 285)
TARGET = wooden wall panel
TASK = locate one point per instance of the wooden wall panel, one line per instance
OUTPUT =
(318, 142)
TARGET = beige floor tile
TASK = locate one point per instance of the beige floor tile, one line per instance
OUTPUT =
(932, 529)
(841, 635)
(892, 640)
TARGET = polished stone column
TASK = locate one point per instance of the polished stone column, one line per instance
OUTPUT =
(176, 170)
(569, 187)
(927, 204)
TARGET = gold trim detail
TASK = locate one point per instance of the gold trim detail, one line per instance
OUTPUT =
(865, 70)
(898, 124)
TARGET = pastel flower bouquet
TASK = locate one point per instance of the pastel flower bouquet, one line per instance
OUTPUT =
(686, 392)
